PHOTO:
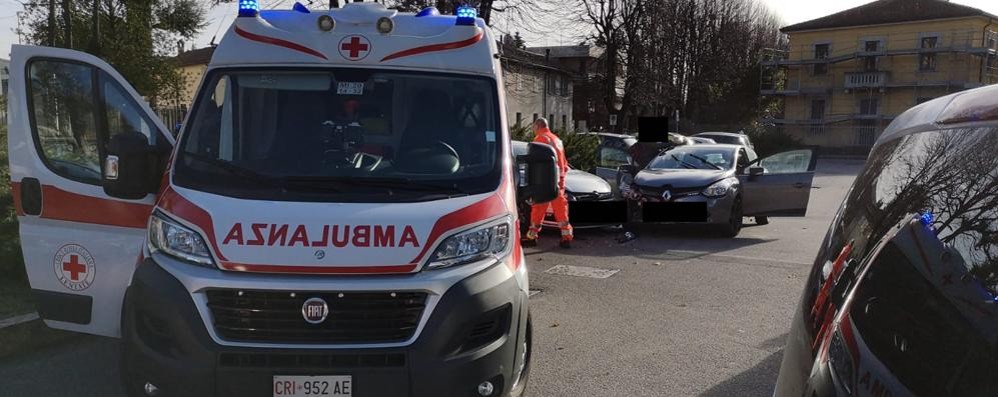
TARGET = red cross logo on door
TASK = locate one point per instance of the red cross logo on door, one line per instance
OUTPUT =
(354, 48)
(74, 267)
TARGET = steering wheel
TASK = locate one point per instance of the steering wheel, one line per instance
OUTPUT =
(435, 158)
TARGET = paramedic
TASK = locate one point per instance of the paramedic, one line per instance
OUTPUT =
(542, 134)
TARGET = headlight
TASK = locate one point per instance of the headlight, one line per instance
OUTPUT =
(178, 241)
(841, 362)
(491, 239)
(720, 188)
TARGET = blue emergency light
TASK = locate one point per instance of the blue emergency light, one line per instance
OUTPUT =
(927, 218)
(249, 8)
(466, 15)
(428, 12)
(300, 8)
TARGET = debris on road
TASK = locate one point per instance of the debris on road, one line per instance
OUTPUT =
(581, 271)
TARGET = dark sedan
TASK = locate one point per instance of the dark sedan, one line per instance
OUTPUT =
(717, 185)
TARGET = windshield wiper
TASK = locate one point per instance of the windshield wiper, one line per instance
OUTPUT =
(234, 169)
(385, 182)
(683, 163)
(703, 160)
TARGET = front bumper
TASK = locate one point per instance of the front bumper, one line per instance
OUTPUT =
(167, 343)
(718, 209)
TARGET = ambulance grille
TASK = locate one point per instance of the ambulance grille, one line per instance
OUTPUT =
(354, 317)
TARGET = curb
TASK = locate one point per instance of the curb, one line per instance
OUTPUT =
(16, 320)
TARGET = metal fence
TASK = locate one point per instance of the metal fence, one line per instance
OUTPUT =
(172, 117)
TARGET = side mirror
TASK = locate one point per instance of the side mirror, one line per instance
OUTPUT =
(133, 167)
(538, 172)
(627, 169)
(756, 171)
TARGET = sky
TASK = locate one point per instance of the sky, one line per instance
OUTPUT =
(219, 18)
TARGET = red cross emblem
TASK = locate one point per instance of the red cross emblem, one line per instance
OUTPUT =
(354, 48)
(74, 267)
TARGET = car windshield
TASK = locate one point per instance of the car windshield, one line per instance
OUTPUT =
(352, 133)
(687, 157)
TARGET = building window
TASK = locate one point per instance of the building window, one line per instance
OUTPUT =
(870, 62)
(869, 106)
(519, 118)
(821, 52)
(535, 117)
(927, 60)
(564, 121)
(551, 121)
(564, 85)
(817, 116)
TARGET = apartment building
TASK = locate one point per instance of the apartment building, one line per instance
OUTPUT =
(845, 76)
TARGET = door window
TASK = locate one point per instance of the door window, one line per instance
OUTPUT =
(612, 157)
(62, 102)
(787, 162)
(123, 114)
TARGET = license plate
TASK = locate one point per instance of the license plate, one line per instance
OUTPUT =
(296, 386)
(350, 88)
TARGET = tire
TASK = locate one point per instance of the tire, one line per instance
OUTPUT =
(734, 225)
(762, 220)
(520, 389)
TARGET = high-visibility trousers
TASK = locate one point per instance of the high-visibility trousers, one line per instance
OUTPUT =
(559, 206)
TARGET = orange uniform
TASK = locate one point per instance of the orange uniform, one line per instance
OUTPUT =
(560, 204)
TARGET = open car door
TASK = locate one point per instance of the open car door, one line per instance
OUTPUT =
(778, 185)
(80, 245)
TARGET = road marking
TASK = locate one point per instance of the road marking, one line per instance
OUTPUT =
(534, 292)
(707, 255)
(581, 271)
(10, 322)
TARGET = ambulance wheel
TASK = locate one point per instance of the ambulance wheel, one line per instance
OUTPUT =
(520, 389)
(762, 220)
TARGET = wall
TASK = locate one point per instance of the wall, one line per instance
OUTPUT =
(525, 94)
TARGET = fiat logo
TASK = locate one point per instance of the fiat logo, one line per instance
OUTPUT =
(314, 310)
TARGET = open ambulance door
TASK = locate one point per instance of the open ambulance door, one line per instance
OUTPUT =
(778, 185)
(80, 245)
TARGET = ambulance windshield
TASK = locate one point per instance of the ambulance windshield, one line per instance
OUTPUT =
(354, 133)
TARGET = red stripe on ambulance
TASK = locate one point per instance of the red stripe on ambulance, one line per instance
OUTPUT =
(434, 47)
(278, 42)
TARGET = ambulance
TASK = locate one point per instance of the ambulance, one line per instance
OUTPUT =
(337, 216)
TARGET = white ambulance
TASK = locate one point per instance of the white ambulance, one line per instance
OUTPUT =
(336, 218)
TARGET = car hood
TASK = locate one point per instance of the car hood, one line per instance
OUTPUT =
(680, 178)
(583, 182)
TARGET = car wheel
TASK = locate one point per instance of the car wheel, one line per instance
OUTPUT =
(520, 388)
(734, 225)
(762, 220)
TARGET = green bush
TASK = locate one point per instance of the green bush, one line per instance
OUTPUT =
(580, 148)
(11, 262)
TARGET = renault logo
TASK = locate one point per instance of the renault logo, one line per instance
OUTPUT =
(314, 310)
(666, 195)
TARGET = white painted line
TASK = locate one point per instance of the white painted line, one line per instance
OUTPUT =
(581, 271)
(534, 292)
(10, 322)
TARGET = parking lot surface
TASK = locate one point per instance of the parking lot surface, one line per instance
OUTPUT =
(673, 312)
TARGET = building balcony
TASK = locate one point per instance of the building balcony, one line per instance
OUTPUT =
(866, 80)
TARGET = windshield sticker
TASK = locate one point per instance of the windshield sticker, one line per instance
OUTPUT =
(490, 136)
(349, 88)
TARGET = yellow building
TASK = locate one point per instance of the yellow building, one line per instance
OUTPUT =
(847, 75)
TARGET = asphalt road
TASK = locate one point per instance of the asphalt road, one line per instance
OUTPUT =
(687, 313)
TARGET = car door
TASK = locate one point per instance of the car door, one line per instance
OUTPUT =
(784, 186)
(80, 245)
(611, 154)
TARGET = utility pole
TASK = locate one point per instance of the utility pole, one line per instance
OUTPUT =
(51, 38)
(68, 20)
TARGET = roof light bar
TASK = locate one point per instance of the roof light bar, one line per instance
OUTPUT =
(249, 8)
(465, 15)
